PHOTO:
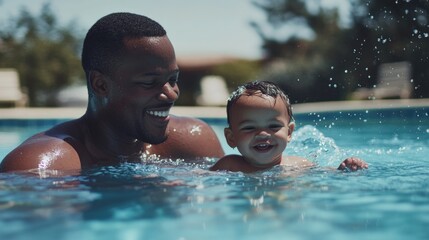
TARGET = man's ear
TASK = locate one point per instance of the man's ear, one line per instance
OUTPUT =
(98, 83)
(229, 137)
(291, 127)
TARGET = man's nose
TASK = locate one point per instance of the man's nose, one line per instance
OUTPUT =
(169, 92)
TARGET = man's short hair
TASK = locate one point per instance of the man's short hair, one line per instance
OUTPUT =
(104, 43)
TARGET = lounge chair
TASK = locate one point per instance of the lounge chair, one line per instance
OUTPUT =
(10, 89)
(394, 81)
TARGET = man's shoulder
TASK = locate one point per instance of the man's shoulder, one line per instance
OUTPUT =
(185, 120)
(189, 138)
(51, 149)
(190, 126)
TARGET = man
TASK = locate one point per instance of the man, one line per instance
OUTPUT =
(132, 77)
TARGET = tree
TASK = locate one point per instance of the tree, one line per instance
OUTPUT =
(45, 54)
(389, 31)
(302, 64)
(333, 60)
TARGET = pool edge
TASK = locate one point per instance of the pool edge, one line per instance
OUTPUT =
(218, 112)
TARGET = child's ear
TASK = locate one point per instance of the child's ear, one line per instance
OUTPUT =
(291, 127)
(229, 137)
(98, 83)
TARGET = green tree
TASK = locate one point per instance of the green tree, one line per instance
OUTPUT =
(45, 54)
(389, 31)
(302, 64)
(331, 61)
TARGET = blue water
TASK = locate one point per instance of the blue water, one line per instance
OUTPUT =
(169, 199)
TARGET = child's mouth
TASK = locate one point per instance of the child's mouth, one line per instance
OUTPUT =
(263, 147)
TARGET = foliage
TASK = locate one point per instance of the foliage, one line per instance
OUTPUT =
(386, 32)
(45, 54)
(332, 60)
(238, 72)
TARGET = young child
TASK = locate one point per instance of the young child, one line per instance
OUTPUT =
(261, 123)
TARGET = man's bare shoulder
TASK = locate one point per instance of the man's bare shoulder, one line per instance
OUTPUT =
(189, 138)
(47, 150)
(183, 121)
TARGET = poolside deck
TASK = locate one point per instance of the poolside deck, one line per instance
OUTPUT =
(217, 112)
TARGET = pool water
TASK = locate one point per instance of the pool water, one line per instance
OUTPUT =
(170, 199)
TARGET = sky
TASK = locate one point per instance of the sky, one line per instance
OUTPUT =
(195, 27)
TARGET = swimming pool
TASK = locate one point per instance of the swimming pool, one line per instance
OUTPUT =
(390, 200)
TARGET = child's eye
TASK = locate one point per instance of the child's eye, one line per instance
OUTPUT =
(247, 128)
(275, 127)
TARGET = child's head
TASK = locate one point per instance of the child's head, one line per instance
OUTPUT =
(260, 122)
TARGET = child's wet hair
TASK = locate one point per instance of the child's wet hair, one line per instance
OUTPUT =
(265, 87)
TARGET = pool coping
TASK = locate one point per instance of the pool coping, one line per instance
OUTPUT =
(219, 112)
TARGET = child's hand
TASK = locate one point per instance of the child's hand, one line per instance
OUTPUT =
(353, 164)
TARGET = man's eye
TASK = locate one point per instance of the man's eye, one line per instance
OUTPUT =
(173, 81)
(146, 83)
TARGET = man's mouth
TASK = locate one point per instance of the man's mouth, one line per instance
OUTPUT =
(158, 113)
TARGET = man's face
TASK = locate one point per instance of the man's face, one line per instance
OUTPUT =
(142, 89)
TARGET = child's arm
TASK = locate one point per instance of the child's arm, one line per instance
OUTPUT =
(353, 164)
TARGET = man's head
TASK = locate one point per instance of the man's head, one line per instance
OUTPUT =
(251, 88)
(103, 46)
(132, 76)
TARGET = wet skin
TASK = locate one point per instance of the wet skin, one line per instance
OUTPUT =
(260, 129)
(127, 118)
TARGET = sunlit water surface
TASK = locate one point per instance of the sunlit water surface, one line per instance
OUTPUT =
(171, 199)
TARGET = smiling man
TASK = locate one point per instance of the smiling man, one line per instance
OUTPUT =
(132, 79)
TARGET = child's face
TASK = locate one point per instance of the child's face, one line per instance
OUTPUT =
(260, 129)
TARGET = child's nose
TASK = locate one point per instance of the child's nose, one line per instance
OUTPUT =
(263, 134)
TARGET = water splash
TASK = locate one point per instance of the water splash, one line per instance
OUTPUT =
(310, 143)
